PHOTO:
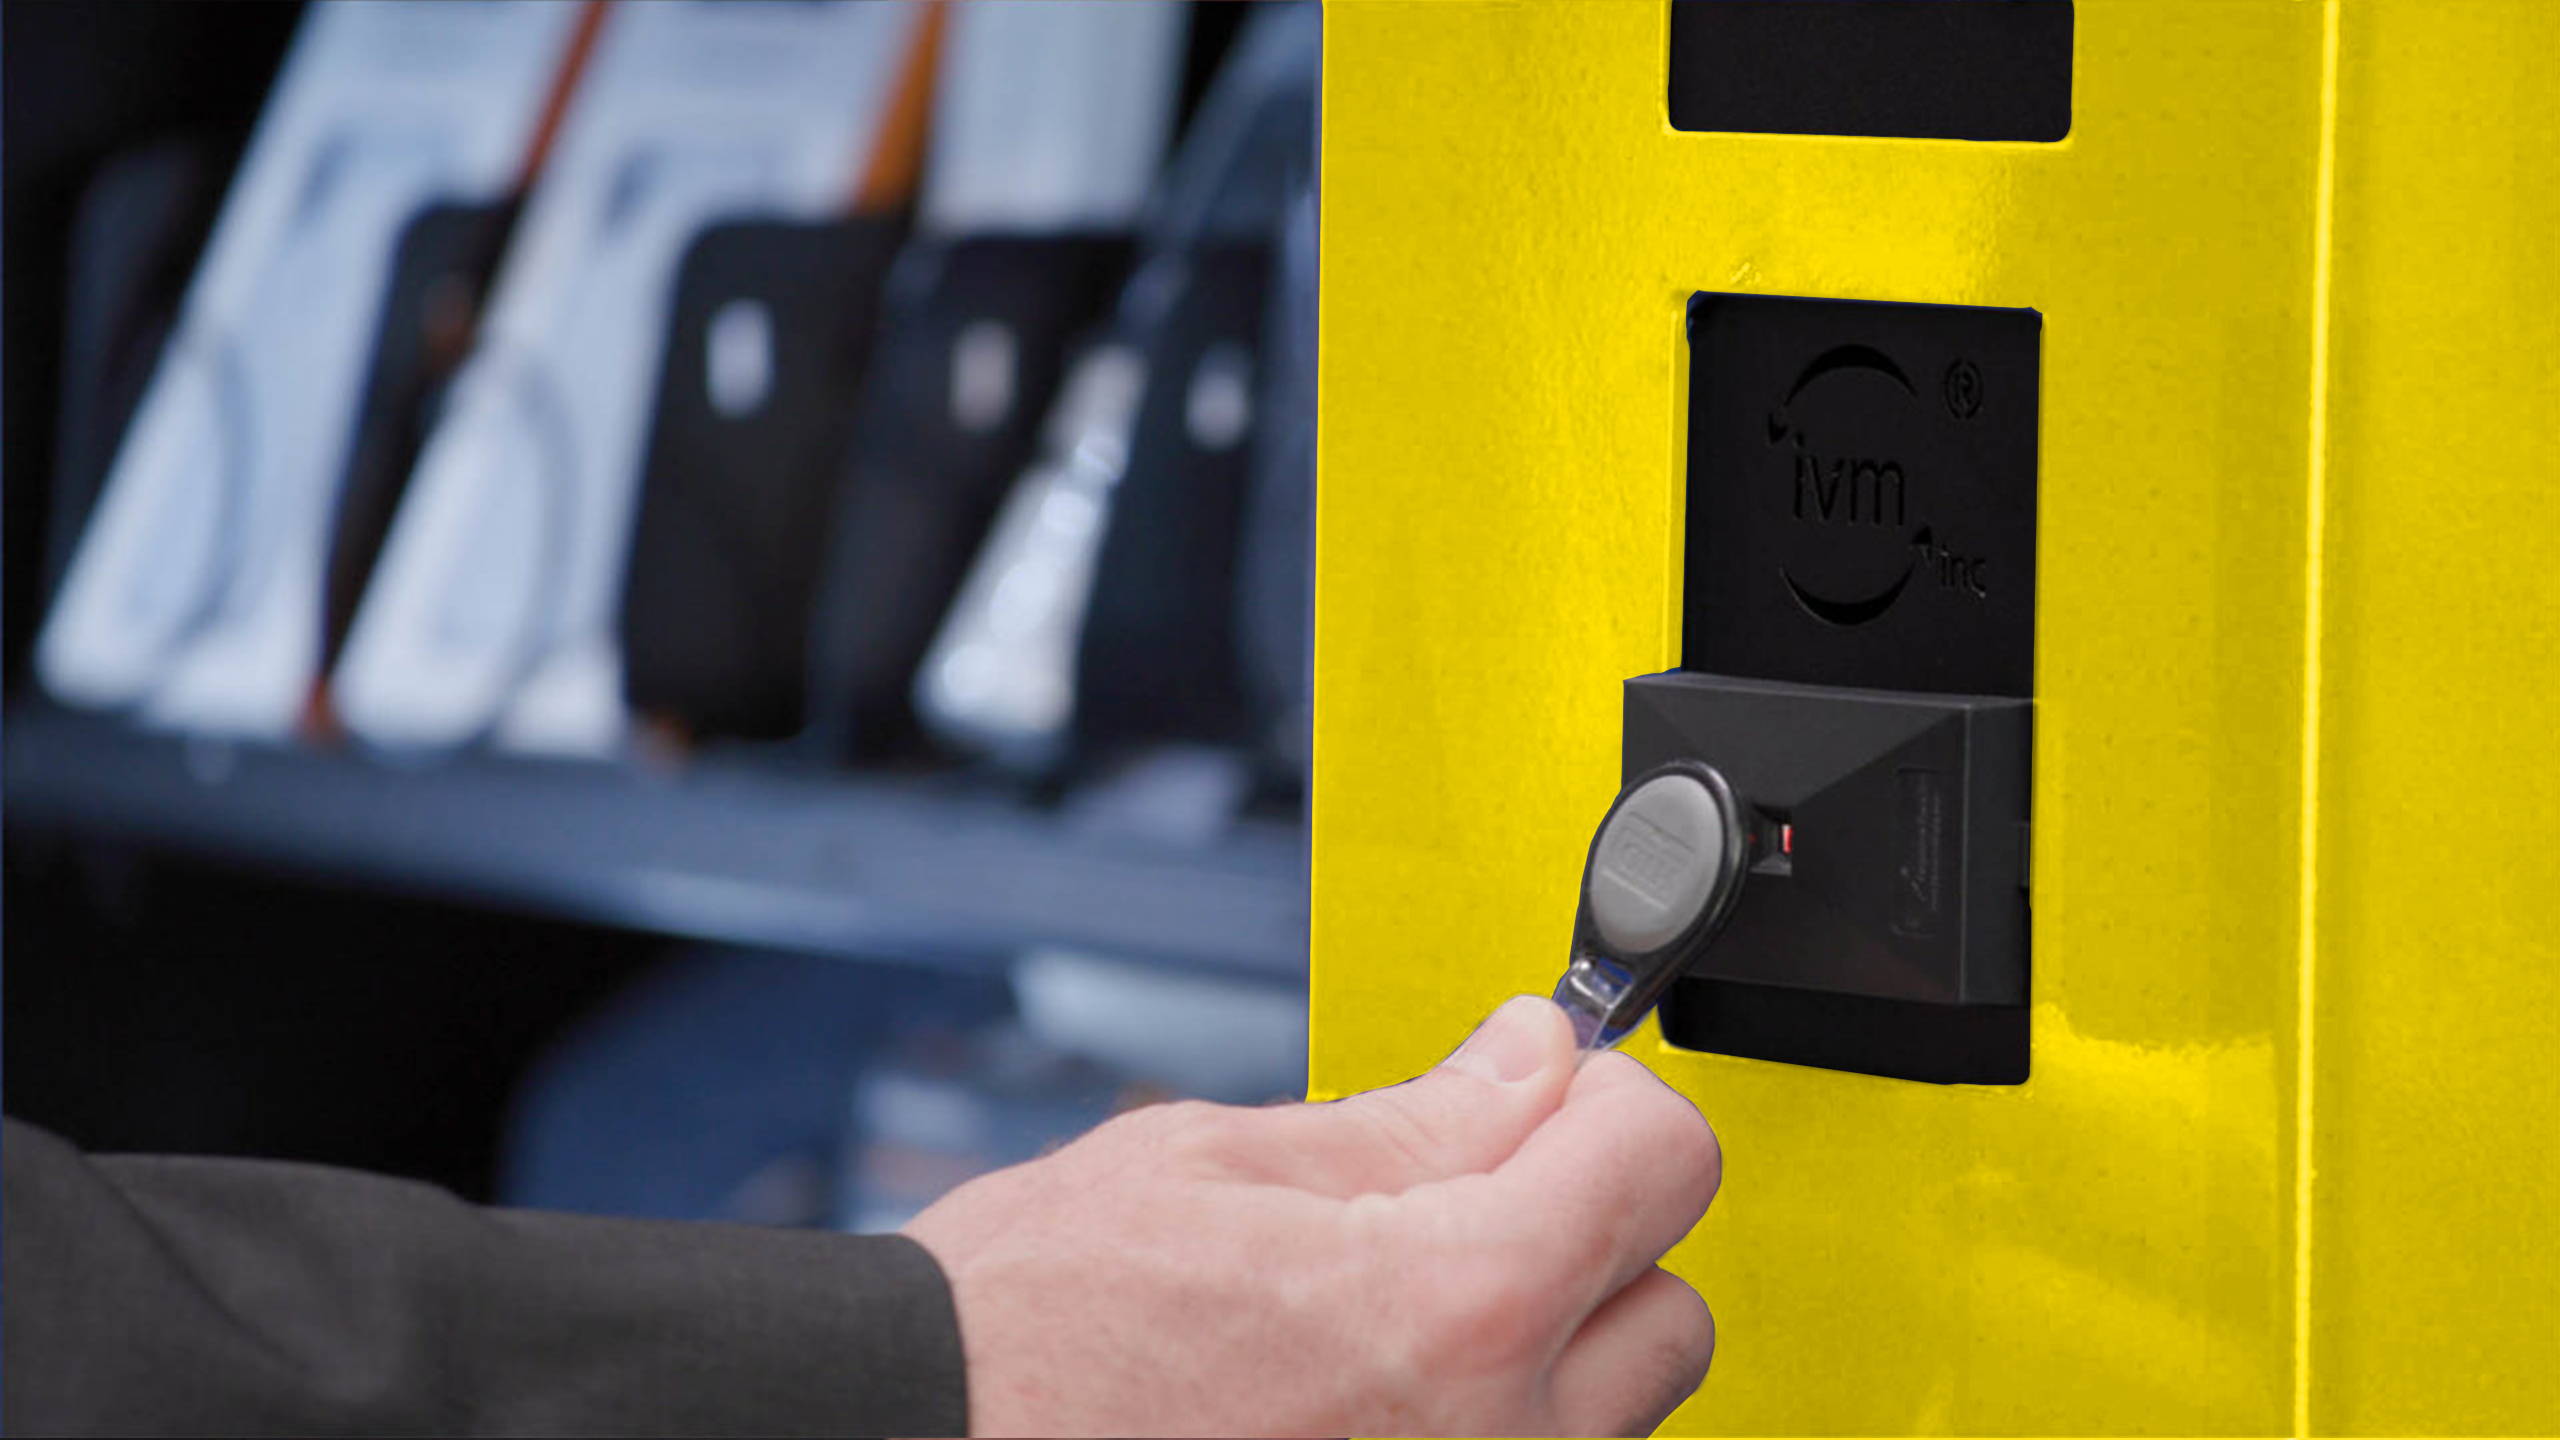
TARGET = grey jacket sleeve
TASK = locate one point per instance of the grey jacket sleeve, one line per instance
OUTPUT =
(143, 1295)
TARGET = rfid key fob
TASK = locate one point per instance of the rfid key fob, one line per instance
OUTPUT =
(1657, 888)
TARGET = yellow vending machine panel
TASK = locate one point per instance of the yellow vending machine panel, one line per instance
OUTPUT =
(2278, 1155)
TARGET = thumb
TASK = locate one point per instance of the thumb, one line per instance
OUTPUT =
(1464, 1116)
(1525, 1037)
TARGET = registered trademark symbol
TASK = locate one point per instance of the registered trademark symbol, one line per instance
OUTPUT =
(1964, 390)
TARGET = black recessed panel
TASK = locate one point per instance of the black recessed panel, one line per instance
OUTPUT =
(1909, 69)
(1897, 1039)
(1862, 493)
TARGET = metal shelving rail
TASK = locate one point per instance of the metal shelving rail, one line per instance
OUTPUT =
(918, 867)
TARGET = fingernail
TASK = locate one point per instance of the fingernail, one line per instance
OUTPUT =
(1510, 1045)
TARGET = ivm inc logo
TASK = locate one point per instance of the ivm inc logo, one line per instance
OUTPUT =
(1867, 493)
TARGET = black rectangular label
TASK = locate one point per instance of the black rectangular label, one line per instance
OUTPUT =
(1908, 69)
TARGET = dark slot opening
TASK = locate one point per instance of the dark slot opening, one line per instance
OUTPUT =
(1910, 69)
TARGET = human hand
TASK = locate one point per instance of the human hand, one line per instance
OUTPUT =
(1469, 1253)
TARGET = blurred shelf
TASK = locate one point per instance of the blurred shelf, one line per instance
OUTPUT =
(895, 867)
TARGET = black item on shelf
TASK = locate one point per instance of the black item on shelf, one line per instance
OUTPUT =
(975, 337)
(440, 274)
(131, 251)
(770, 331)
(1158, 655)
(1275, 574)
(1195, 628)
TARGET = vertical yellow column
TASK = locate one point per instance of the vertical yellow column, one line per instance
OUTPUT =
(2434, 1288)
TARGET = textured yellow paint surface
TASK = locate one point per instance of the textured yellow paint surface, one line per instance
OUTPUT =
(1510, 232)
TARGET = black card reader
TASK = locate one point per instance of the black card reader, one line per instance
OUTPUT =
(1857, 658)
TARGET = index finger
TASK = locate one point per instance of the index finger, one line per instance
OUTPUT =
(1622, 1171)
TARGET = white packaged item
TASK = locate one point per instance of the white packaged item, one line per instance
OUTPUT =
(1000, 677)
(494, 606)
(1052, 115)
(197, 585)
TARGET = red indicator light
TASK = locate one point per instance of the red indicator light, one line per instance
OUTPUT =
(1786, 839)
